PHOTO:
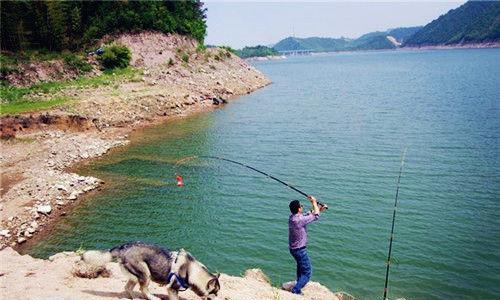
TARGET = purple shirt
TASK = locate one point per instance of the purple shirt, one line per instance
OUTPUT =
(297, 231)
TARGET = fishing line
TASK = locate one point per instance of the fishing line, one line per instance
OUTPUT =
(253, 169)
(393, 220)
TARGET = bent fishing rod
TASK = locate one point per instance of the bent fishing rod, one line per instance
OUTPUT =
(393, 220)
(258, 171)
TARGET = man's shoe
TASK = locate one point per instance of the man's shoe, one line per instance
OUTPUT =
(288, 286)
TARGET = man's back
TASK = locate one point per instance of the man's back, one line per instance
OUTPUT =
(297, 231)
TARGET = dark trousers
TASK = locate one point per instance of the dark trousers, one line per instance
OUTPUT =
(304, 268)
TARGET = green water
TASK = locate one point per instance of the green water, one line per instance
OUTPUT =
(333, 126)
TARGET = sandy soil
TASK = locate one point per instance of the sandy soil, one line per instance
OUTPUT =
(24, 277)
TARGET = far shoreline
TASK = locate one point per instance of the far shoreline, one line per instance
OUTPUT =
(399, 49)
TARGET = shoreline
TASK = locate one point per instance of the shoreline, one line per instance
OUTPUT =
(429, 47)
(55, 217)
(39, 186)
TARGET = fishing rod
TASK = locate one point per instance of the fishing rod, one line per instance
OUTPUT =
(256, 170)
(392, 228)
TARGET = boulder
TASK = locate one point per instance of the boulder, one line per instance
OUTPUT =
(44, 209)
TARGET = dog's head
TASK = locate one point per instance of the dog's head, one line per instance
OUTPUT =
(201, 281)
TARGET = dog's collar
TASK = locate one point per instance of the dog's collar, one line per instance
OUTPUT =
(181, 281)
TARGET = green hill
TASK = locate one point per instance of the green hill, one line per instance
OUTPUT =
(403, 33)
(473, 22)
(315, 44)
(257, 51)
(371, 41)
(59, 25)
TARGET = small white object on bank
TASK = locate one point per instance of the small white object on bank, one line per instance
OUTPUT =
(44, 209)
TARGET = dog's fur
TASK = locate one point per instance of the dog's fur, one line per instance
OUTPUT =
(144, 263)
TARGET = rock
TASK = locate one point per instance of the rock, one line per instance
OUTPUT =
(44, 209)
(5, 233)
(60, 203)
(73, 196)
(21, 240)
(61, 187)
(84, 270)
(34, 225)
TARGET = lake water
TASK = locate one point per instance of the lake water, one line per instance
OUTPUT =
(334, 126)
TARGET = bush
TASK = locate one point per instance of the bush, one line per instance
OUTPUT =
(115, 56)
(170, 62)
(185, 57)
(77, 62)
(200, 48)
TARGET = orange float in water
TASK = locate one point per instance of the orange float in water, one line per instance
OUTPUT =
(180, 181)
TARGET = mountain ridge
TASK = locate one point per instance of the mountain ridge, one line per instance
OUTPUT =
(376, 40)
(472, 22)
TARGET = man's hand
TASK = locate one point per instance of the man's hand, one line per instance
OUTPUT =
(314, 203)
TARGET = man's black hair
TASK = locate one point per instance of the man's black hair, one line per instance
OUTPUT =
(294, 206)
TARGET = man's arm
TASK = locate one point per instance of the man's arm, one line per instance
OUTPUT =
(314, 203)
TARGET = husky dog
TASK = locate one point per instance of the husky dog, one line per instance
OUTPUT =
(143, 263)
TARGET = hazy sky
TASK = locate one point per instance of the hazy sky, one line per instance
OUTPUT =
(247, 23)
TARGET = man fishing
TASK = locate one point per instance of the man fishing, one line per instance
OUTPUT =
(297, 239)
(297, 232)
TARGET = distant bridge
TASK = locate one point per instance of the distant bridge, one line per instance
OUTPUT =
(296, 52)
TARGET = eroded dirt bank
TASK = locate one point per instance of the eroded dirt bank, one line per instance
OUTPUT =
(175, 79)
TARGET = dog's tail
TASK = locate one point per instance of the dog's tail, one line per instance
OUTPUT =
(97, 258)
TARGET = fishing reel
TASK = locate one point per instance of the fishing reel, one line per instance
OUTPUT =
(322, 206)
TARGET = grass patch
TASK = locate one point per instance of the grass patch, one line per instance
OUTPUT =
(29, 106)
(15, 100)
(78, 63)
(11, 94)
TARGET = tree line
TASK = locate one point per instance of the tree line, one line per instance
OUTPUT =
(60, 25)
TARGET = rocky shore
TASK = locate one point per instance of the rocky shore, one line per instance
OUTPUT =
(175, 79)
(25, 277)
